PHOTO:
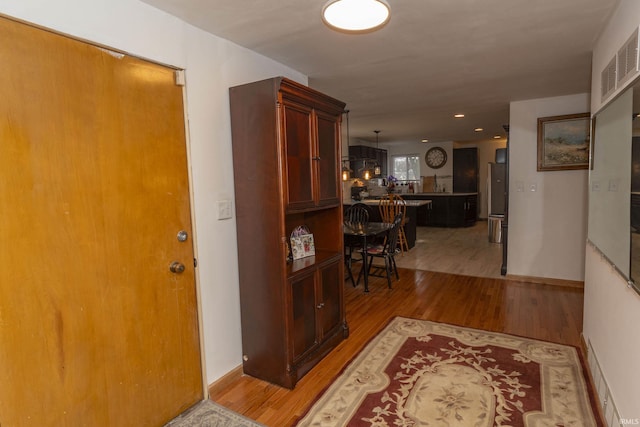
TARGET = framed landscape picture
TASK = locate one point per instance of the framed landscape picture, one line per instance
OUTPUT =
(563, 142)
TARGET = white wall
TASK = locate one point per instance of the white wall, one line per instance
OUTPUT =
(611, 309)
(547, 227)
(212, 66)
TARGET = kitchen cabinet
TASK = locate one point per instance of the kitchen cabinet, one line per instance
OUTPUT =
(439, 215)
(286, 161)
(381, 159)
(462, 211)
(447, 209)
(465, 170)
(361, 155)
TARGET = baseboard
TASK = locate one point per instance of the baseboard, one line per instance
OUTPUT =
(225, 380)
(547, 281)
(607, 406)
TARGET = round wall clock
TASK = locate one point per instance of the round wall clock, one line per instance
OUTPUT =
(436, 157)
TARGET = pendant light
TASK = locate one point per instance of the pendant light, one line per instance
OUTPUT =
(366, 173)
(356, 16)
(377, 170)
(346, 171)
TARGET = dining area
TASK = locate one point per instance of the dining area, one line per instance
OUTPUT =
(377, 229)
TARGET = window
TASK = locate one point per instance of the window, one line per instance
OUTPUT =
(406, 167)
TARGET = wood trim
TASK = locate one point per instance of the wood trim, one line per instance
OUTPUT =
(547, 281)
(584, 347)
(587, 367)
(226, 380)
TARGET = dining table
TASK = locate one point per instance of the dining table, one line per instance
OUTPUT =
(364, 231)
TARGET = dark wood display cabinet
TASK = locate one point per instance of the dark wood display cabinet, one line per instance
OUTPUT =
(286, 162)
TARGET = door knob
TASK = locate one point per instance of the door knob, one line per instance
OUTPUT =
(176, 267)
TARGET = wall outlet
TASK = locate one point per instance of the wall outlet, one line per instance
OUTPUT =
(224, 209)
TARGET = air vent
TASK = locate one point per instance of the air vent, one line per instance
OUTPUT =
(628, 59)
(608, 79)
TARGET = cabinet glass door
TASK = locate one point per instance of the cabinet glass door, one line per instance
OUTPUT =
(328, 159)
(299, 152)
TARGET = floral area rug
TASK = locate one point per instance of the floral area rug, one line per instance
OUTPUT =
(210, 414)
(421, 373)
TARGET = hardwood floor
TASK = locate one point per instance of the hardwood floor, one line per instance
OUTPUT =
(551, 313)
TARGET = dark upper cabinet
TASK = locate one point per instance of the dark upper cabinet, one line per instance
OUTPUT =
(361, 154)
(381, 158)
(465, 170)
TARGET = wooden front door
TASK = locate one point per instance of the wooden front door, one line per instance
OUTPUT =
(95, 330)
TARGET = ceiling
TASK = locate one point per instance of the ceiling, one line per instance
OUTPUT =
(433, 59)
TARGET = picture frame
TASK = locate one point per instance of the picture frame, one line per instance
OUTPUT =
(302, 243)
(564, 142)
(302, 246)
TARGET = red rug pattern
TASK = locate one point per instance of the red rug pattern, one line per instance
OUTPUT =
(421, 373)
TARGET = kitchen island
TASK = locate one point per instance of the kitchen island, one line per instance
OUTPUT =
(411, 217)
(446, 209)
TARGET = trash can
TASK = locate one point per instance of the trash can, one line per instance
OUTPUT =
(495, 228)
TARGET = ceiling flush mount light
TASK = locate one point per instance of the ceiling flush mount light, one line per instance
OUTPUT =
(458, 116)
(478, 130)
(356, 16)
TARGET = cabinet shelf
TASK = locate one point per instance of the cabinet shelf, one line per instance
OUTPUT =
(321, 258)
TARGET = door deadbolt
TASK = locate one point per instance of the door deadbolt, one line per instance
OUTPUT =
(176, 267)
(182, 236)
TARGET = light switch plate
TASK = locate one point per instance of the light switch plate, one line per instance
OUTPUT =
(224, 209)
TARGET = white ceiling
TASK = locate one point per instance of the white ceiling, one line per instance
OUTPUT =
(433, 59)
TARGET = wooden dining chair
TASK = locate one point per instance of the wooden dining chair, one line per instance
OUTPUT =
(390, 206)
(387, 252)
(354, 214)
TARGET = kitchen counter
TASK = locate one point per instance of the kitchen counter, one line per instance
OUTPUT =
(376, 202)
(438, 194)
(437, 209)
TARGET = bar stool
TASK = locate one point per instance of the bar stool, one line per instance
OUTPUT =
(389, 207)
